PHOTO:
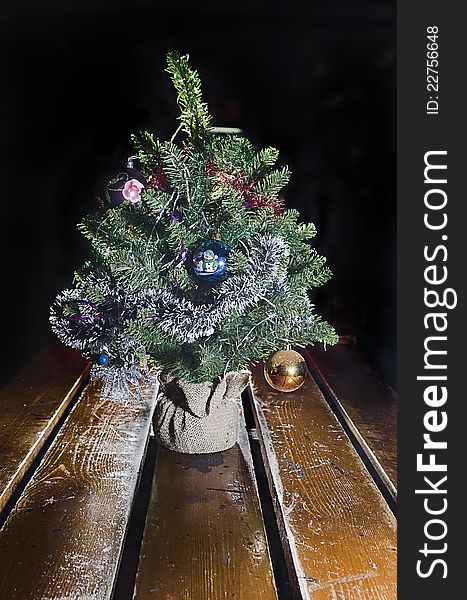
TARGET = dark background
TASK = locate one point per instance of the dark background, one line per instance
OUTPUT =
(316, 79)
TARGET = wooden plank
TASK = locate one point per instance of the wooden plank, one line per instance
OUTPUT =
(204, 536)
(30, 406)
(64, 537)
(367, 404)
(339, 536)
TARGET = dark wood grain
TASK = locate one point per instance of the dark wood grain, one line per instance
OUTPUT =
(30, 406)
(64, 537)
(367, 404)
(204, 536)
(338, 534)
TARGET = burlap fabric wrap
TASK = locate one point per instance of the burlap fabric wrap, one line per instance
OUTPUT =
(198, 418)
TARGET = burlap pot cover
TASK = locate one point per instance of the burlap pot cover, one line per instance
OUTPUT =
(198, 418)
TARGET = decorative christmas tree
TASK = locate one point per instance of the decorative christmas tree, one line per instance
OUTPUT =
(197, 269)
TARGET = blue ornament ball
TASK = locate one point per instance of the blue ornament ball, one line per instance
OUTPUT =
(104, 359)
(211, 260)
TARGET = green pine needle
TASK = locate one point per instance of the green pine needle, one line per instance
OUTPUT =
(194, 117)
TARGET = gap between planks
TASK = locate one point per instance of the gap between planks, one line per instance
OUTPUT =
(31, 407)
(365, 406)
(204, 535)
(339, 536)
(68, 528)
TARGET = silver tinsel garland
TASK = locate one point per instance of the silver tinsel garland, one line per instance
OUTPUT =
(101, 329)
(124, 383)
(187, 322)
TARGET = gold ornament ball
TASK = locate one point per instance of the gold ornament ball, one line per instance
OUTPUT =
(285, 370)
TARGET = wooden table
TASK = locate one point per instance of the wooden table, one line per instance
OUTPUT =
(302, 507)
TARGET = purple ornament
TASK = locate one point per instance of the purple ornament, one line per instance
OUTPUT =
(126, 186)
